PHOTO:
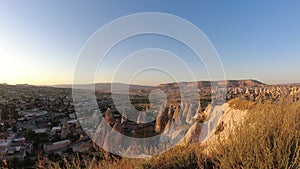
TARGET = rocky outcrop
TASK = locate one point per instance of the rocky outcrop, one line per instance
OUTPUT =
(221, 120)
(161, 119)
(193, 134)
(109, 117)
(227, 123)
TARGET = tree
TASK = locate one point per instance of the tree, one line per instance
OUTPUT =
(14, 163)
(4, 114)
(69, 150)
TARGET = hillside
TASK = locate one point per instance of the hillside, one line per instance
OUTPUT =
(252, 135)
(106, 87)
(201, 84)
(208, 84)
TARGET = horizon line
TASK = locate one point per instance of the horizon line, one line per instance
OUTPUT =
(242, 79)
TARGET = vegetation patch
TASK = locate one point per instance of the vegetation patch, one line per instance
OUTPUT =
(269, 138)
(241, 104)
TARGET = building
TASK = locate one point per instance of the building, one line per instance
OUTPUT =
(40, 131)
(55, 130)
(12, 149)
(19, 141)
(56, 145)
(32, 113)
(65, 130)
(15, 152)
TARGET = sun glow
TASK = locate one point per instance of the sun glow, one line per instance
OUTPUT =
(16, 67)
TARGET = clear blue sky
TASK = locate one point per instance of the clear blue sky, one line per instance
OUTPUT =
(40, 40)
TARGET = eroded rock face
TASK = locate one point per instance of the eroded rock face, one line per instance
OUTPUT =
(161, 120)
(168, 124)
(141, 117)
(265, 92)
(193, 135)
(109, 117)
(101, 132)
(182, 123)
(114, 138)
(176, 113)
(123, 119)
(208, 110)
(145, 117)
(171, 119)
(173, 126)
(221, 120)
(229, 120)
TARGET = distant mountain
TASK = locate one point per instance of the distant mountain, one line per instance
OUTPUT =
(208, 84)
(106, 87)
(288, 84)
(244, 83)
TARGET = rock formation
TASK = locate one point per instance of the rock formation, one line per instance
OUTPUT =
(109, 117)
(161, 120)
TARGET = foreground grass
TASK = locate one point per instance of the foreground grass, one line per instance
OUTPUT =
(268, 138)
(178, 157)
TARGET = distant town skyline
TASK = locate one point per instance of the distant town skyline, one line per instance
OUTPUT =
(40, 41)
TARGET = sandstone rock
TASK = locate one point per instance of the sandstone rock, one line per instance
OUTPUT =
(101, 132)
(161, 120)
(109, 117)
(193, 135)
(190, 114)
(113, 140)
(176, 113)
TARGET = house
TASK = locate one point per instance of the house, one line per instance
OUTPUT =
(55, 130)
(15, 152)
(65, 130)
(18, 141)
(56, 145)
(41, 130)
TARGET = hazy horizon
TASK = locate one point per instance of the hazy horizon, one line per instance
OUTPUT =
(40, 41)
(141, 84)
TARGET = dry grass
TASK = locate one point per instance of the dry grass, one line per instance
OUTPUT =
(269, 138)
(179, 157)
(241, 104)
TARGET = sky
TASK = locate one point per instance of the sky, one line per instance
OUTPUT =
(40, 41)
